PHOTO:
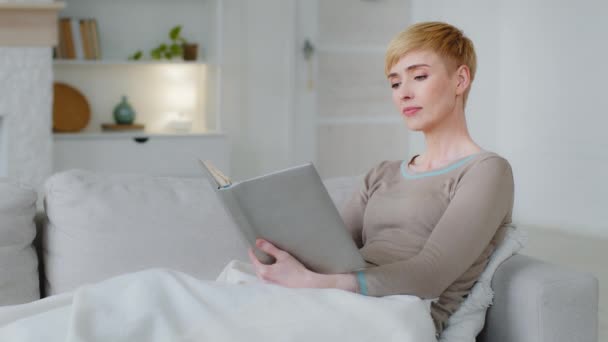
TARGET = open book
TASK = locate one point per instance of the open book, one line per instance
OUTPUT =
(292, 209)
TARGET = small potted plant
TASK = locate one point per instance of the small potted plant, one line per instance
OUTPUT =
(177, 47)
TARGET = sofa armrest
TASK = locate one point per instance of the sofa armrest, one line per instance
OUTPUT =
(541, 302)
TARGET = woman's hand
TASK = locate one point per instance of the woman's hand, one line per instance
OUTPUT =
(286, 271)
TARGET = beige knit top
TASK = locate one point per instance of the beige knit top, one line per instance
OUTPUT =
(430, 234)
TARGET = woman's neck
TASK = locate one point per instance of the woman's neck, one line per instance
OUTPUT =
(445, 143)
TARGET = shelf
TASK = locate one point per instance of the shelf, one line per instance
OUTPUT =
(132, 134)
(155, 88)
(123, 62)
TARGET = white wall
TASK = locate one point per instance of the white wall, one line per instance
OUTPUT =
(3, 147)
(552, 114)
(257, 93)
(358, 125)
(539, 101)
(268, 111)
(305, 108)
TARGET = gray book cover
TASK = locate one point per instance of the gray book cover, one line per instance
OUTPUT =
(292, 209)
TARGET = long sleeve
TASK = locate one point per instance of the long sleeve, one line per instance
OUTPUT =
(352, 214)
(482, 200)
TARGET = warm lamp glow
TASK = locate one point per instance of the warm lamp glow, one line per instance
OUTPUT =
(181, 97)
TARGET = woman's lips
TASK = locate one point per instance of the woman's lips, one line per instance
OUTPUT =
(410, 111)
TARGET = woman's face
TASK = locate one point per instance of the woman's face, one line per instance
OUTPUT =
(424, 91)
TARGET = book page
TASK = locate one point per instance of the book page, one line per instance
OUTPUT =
(221, 179)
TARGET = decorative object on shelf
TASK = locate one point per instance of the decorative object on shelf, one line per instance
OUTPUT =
(124, 113)
(71, 110)
(109, 127)
(178, 47)
(179, 123)
(190, 51)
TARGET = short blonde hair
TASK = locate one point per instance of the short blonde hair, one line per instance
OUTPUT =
(444, 39)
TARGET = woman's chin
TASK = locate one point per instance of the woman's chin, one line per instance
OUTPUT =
(413, 126)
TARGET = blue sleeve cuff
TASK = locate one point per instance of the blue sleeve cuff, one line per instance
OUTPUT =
(362, 283)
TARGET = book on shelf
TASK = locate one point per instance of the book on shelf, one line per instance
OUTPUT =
(78, 39)
(65, 39)
(86, 41)
(292, 209)
(94, 29)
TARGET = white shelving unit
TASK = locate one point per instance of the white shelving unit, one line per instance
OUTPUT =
(152, 154)
(154, 89)
(157, 89)
(85, 62)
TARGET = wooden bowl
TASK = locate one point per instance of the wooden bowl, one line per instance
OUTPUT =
(71, 111)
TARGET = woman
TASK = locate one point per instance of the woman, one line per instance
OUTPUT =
(426, 226)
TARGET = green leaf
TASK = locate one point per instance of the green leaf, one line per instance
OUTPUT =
(176, 50)
(136, 56)
(174, 33)
(163, 47)
(155, 54)
(168, 55)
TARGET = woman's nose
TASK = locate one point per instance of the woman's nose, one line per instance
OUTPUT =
(405, 93)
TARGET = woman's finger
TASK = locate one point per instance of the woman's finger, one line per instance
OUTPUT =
(269, 248)
(254, 259)
(257, 265)
(261, 270)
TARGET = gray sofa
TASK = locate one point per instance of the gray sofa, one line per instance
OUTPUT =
(97, 226)
(535, 301)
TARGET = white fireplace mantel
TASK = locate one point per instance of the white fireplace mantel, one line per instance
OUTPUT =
(28, 30)
(29, 23)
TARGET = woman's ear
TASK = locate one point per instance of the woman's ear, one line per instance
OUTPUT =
(463, 78)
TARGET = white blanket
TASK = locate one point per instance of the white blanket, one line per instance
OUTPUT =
(163, 305)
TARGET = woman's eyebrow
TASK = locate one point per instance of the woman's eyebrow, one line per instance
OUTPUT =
(416, 66)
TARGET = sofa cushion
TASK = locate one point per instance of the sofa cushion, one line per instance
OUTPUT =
(101, 225)
(18, 261)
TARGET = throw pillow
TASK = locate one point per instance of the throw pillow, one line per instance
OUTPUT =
(468, 321)
(104, 225)
(18, 261)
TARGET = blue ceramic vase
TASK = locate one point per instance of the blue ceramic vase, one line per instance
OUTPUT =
(124, 113)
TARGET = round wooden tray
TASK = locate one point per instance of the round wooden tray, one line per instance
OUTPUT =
(71, 111)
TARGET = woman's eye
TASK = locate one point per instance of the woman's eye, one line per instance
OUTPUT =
(420, 77)
(395, 85)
